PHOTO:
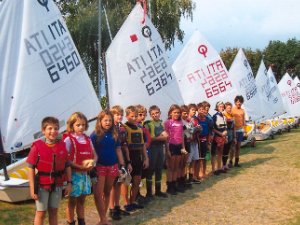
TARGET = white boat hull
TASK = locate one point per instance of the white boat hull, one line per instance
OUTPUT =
(14, 190)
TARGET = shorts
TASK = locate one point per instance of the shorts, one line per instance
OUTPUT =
(175, 149)
(194, 152)
(187, 146)
(81, 184)
(136, 162)
(48, 199)
(108, 171)
(202, 149)
(239, 135)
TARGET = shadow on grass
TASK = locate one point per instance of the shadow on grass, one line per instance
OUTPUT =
(161, 207)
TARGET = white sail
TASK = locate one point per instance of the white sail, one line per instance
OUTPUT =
(289, 93)
(244, 82)
(138, 71)
(41, 72)
(271, 105)
(201, 73)
(297, 82)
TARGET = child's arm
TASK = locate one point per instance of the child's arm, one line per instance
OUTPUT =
(68, 189)
(120, 156)
(31, 175)
(129, 167)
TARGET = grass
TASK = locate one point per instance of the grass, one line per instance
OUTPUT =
(264, 191)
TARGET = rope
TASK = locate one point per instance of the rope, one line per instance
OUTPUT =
(144, 2)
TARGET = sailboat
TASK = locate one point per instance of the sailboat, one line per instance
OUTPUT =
(41, 74)
(137, 66)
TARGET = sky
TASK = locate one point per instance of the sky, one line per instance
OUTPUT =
(242, 23)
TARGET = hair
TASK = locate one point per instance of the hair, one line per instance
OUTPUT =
(141, 109)
(49, 120)
(184, 108)
(117, 109)
(99, 129)
(201, 105)
(154, 107)
(75, 117)
(219, 103)
(239, 98)
(192, 105)
(172, 108)
(228, 103)
(130, 109)
(206, 104)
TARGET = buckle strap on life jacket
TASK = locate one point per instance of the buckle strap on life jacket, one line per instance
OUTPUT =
(52, 174)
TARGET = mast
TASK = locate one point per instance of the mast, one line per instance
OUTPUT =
(2, 153)
(99, 47)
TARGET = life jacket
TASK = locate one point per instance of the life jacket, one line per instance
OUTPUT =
(229, 120)
(51, 163)
(219, 122)
(146, 134)
(135, 139)
(155, 128)
(205, 126)
(80, 152)
(122, 133)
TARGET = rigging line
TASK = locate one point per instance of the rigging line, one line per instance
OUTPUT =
(107, 23)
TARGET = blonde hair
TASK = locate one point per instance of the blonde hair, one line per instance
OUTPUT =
(130, 109)
(141, 109)
(75, 117)
(117, 109)
(99, 129)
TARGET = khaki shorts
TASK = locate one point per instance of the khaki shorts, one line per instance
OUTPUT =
(48, 199)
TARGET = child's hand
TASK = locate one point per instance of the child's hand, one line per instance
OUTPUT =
(168, 154)
(34, 196)
(129, 168)
(68, 190)
(146, 163)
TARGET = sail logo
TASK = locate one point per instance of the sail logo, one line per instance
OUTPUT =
(202, 49)
(146, 32)
(44, 3)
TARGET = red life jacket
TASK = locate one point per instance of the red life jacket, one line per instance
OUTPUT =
(80, 152)
(51, 163)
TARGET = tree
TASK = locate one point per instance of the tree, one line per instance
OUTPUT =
(82, 20)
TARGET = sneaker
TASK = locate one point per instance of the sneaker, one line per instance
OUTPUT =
(230, 165)
(124, 212)
(114, 214)
(129, 207)
(161, 194)
(217, 173)
(237, 165)
(137, 206)
(222, 171)
(196, 181)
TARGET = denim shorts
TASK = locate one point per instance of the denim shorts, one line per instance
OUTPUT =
(239, 135)
(48, 199)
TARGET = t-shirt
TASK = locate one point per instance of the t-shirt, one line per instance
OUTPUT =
(175, 130)
(105, 149)
(239, 117)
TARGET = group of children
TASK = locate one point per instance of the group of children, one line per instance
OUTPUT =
(136, 149)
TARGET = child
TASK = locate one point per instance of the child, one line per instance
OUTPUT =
(82, 158)
(193, 128)
(204, 137)
(231, 139)
(108, 150)
(50, 158)
(156, 152)
(175, 147)
(220, 138)
(118, 186)
(239, 123)
(142, 114)
(137, 154)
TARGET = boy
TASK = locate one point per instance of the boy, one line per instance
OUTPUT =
(156, 152)
(50, 158)
(239, 123)
(204, 137)
(137, 154)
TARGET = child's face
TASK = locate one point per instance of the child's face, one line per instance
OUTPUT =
(238, 104)
(132, 117)
(206, 109)
(184, 115)
(79, 127)
(51, 132)
(106, 122)
(220, 108)
(202, 111)
(175, 114)
(228, 108)
(192, 112)
(141, 117)
(118, 118)
(155, 114)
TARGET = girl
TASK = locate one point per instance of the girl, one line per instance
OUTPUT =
(80, 150)
(220, 138)
(175, 147)
(108, 150)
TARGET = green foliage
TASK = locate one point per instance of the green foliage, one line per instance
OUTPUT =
(82, 20)
(282, 57)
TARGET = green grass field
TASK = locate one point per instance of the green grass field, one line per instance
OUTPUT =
(265, 190)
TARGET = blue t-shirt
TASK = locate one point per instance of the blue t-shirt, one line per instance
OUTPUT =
(105, 149)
